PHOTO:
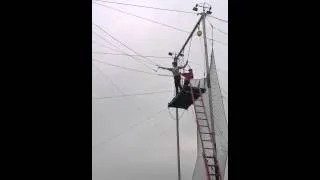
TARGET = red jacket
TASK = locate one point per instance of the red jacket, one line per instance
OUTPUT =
(187, 76)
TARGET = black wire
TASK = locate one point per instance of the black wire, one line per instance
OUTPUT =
(138, 60)
(150, 118)
(144, 18)
(122, 43)
(129, 69)
(161, 57)
(107, 48)
(172, 117)
(163, 9)
(169, 26)
(105, 76)
(219, 19)
(221, 31)
(138, 94)
(216, 28)
(105, 39)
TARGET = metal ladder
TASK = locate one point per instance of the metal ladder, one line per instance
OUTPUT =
(206, 137)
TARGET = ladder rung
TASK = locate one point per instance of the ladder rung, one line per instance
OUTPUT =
(205, 132)
(203, 126)
(201, 119)
(209, 140)
(206, 140)
(198, 106)
(207, 148)
(201, 105)
(209, 157)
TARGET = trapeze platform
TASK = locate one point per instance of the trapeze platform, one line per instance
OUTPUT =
(184, 98)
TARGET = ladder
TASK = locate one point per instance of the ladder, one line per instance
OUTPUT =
(206, 138)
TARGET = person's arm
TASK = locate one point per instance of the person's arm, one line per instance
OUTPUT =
(182, 67)
(169, 69)
(186, 75)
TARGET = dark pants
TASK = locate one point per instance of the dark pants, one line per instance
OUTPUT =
(177, 83)
(186, 83)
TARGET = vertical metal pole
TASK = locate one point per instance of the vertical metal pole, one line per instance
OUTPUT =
(217, 171)
(177, 128)
(177, 114)
(178, 145)
(206, 48)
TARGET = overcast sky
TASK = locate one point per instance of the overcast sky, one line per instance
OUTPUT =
(134, 137)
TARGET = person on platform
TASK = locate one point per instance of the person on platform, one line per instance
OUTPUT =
(187, 77)
(176, 74)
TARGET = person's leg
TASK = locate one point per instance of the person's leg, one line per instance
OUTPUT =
(186, 82)
(179, 82)
(176, 84)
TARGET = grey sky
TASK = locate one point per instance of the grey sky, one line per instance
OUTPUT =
(134, 136)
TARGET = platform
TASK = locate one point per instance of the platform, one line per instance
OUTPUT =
(184, 98)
